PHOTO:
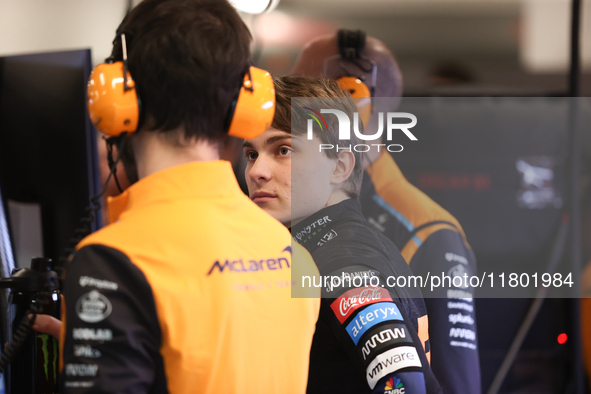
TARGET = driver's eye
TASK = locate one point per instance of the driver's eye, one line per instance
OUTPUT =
(251, 155)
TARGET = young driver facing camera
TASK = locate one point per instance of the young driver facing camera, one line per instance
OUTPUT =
(315, 193)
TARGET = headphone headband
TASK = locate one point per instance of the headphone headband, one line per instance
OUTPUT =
(114, 105)
(351, 43)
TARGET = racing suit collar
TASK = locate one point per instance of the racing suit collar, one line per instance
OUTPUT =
(197, 179)
(313, 231)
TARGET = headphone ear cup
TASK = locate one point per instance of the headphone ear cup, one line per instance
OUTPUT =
(361, 95)
(112, 109)
(255, 106)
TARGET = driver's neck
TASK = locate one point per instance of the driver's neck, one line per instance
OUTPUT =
(337, 196)
(154, 153)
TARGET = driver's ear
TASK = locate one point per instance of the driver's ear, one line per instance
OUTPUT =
(343, 168)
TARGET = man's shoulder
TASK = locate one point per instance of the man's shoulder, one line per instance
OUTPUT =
(361, 245)
(103, 236)
(393, 197)
(201, 221)
(443, 247)
(262, 218)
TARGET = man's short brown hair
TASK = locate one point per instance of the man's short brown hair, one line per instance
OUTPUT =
(318, 93)
(188, 59)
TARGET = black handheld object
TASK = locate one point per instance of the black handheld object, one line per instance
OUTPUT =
(34, 368)
(35, 291)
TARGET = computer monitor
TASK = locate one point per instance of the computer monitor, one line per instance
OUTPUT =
(48, 155)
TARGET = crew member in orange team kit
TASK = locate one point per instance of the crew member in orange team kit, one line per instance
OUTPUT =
(429, 238)
(316, 194)
(189, 288)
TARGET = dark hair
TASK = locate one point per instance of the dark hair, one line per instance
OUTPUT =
(188, 59)
(317, 93)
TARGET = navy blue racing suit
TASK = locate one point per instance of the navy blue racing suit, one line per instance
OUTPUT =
(371, 337)
(433, 243)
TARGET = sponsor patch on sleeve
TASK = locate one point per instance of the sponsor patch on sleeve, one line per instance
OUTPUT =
(355, 276)
(370, 316)
(93, 307)
(77, 384)
(86, 351)
(98, 283)
(380, 339)
(403, 383)
(391, 361)
(92, 334)
(345, 305)
(87, 370)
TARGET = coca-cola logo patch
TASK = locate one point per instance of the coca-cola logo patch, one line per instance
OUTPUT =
(345, 305)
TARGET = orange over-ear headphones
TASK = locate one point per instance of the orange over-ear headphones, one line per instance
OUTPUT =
(351, 44)
(114, 107)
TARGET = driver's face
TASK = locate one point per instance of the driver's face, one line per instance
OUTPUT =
(287, 176)
(268, 173)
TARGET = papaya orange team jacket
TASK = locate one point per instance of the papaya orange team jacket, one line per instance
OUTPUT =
(189, 291)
